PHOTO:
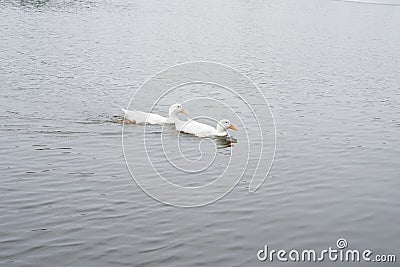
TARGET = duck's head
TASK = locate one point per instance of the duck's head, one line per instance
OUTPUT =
(224, 125)
(177, 108)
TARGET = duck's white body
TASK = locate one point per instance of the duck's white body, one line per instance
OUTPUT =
(197, 128)
(203, 130)
(135, 116)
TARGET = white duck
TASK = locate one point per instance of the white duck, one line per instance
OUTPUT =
(203, 130)
(135, 116)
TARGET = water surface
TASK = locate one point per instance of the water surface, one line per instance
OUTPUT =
(329, 69)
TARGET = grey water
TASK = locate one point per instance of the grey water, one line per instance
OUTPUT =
(329, 69)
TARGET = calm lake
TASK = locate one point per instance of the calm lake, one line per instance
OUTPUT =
(330, 71)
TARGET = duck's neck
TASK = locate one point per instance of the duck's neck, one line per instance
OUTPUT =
(221, 130)
(173, 117)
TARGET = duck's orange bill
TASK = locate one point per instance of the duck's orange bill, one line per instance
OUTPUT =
(232, 127)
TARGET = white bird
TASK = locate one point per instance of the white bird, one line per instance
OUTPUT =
(135, 116)
(204, 130)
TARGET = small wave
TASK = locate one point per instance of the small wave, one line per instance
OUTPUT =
(367, 3)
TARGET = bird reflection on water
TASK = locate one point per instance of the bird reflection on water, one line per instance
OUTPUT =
(224, 141)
